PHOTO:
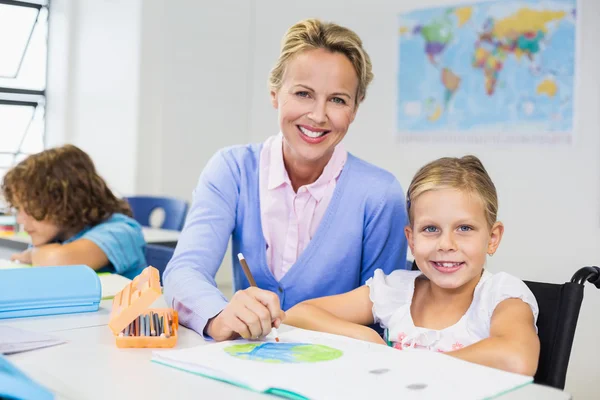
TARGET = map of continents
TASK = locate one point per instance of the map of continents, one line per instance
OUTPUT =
(489, 67)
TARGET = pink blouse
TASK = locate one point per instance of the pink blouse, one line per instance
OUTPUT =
(289, 219)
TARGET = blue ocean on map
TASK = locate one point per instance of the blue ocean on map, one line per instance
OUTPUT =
(501, 66)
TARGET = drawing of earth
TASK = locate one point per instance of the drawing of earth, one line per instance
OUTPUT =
(283, 352)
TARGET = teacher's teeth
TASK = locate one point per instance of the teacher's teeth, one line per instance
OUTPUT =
(310, 133)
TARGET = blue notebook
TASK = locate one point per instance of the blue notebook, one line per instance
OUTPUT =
(16, 385)
(29, 292)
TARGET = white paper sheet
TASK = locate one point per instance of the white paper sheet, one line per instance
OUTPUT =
(363, 371)
(15, 340)
(7, 264)
(112, 284)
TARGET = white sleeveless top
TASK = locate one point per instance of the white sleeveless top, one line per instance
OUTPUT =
(392, 296)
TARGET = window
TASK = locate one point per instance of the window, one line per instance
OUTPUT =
(23, 45)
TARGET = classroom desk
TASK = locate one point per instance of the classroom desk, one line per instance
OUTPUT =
(15, 243)
(9, 246)
(163, 237)
(63, 322)
(90, 366)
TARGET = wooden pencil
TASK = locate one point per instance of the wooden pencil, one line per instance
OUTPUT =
(252, 282)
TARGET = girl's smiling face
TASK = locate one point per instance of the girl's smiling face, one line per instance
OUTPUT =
(450, 237)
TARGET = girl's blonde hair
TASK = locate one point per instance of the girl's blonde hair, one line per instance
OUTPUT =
(313, 34)
(465, 174)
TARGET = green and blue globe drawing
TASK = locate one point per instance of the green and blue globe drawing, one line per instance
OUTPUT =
(283, 352)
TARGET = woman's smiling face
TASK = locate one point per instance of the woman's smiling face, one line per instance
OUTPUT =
(317, 103)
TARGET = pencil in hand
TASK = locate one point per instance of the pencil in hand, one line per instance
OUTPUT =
(253, 284)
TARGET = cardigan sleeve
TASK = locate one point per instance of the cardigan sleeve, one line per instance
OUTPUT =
(189, 279)
(384, 241)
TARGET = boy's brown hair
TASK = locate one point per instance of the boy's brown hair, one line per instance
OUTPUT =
(61, 185)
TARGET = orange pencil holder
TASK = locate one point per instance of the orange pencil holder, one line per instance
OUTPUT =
(133, 324)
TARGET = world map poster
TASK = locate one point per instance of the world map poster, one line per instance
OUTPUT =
(499, 71)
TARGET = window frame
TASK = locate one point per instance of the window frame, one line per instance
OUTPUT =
(16, 96)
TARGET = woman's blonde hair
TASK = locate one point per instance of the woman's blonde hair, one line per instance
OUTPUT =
(465, 174)
(313, 34)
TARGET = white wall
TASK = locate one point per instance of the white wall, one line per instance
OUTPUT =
(62, 34)
(93, 83)
(205, 86)
(151, 99)
(198, 82)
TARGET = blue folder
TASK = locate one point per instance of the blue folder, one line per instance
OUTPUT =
(29, 292)
(16, 385)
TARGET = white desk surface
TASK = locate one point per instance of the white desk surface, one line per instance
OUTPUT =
(20, 238)
(7, 252)
(90, 366)
(63, 322)
(151, 235)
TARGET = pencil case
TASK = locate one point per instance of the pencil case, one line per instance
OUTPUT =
(135, 325)
(29, 292)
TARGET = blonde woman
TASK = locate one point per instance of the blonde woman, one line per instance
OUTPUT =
(311, 219)
(452, 305)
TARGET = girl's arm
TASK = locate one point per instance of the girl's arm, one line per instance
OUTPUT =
(513, 344)
(345, 314)
(80, 251)
(118, 242)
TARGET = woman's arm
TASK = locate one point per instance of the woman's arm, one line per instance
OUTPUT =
(513, 344)
(345, 314)
(189, 279)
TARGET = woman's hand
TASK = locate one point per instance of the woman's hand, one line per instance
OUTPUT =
(251, 313)
(23, 257)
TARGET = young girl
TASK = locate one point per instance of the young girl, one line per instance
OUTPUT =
(71, 215)
(452, 304)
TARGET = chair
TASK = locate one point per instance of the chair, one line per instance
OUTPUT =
(559, 306)
(559, 310)
(159, 256)
(175, 210)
